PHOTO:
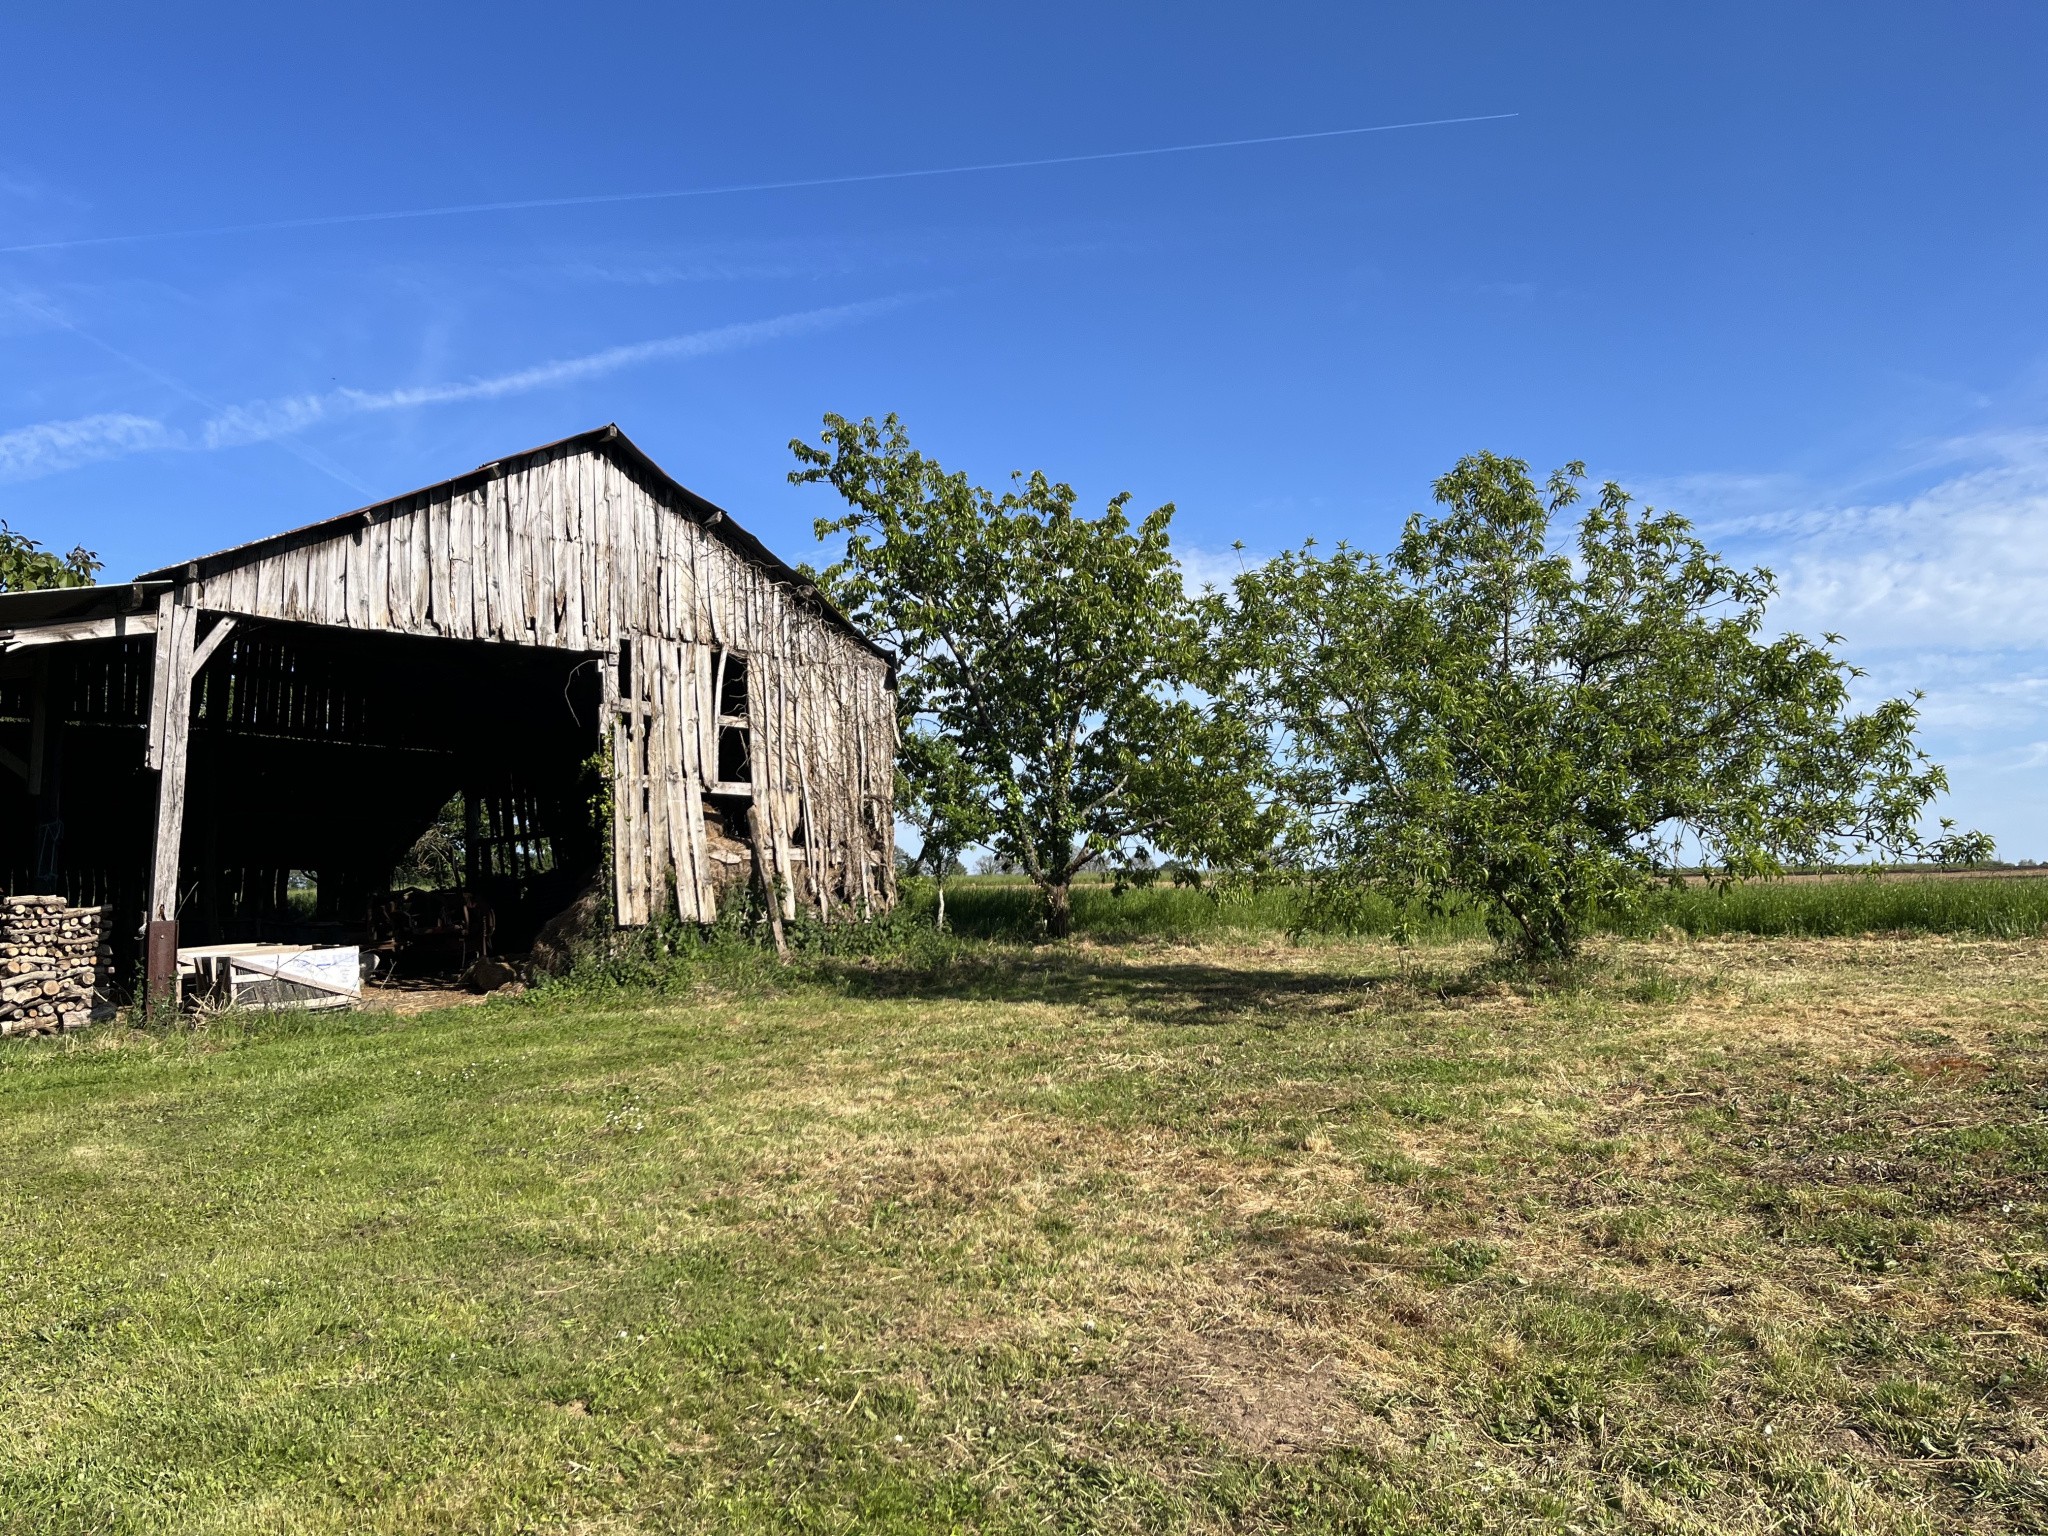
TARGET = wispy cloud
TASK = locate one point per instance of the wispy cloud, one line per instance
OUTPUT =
(1960, 565)
(19, 186)
(1940, 589)
(1953, 560)
(50, 446)
(276, 418)
(1216, 568)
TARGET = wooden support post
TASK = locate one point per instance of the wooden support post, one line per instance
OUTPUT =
(170, 738)
(618, 721)
(764, 870)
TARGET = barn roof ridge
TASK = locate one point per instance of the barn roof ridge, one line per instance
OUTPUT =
(608, 438)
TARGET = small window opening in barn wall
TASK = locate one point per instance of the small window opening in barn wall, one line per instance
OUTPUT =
(735, 744)
(732, 691)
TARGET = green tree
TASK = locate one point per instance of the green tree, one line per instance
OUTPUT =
(25, 566)
(944, 799)
(1960, 850)
(1481, 717)
(1050, 664)
(437, 858)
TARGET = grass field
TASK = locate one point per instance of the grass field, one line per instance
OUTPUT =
(1723, 1236)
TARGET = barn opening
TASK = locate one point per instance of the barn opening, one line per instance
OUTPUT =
(329, 772)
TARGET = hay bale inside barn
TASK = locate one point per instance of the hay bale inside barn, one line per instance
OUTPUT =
(584, 655)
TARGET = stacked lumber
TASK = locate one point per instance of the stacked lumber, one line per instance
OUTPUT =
(51, 956)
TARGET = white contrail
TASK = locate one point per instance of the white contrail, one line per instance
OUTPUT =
(48, 446)
(45, 447)
(755, 186)
(300, 451)
(268, 420)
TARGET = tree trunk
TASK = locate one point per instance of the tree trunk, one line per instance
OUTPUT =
(1059, 910)
(942, 899)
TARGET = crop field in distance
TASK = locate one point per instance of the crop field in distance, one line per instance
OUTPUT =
(2005, 904)
(1207, 1229)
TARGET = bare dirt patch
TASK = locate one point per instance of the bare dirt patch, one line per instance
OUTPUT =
(1262, 1394)
(406, 998)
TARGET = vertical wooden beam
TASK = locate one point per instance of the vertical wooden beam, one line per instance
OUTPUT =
(691, 737)
(170, 733)
(655, 744)
(785, 798)
(757, 833)
(622, 685)
(632, 782)
(884, 696)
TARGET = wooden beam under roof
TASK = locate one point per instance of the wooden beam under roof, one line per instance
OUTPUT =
(70, 631)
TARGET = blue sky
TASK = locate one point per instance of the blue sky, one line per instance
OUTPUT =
(1779, 267)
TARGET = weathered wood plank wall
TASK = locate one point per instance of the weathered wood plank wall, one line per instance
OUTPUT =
(576, 551)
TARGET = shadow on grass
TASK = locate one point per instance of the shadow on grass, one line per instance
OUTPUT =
(1190, 990)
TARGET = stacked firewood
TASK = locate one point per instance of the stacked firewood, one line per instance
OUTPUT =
(51, 957)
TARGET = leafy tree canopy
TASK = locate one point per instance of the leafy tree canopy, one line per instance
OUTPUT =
(1482, 717)
(1959, 850)
(1049, 661)
(25, 566)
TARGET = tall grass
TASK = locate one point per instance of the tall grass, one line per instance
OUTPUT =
(1997, 907)
(1994, 907)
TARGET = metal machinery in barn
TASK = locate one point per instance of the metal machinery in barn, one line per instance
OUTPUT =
(177, 747)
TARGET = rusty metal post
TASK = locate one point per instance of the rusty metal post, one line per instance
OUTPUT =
(161, 966)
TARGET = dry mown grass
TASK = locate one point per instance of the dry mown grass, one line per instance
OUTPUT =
(1739, 1235)
(1729, 1236)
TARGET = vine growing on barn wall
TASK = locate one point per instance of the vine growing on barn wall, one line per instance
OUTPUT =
(597, 771)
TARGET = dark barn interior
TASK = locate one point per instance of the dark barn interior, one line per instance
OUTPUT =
(318, 759)
(76, 805)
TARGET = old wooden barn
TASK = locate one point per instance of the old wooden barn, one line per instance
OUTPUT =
(297, 711)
